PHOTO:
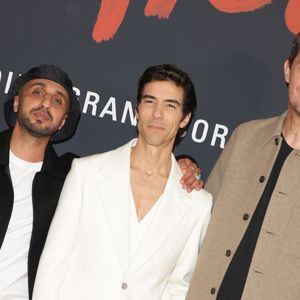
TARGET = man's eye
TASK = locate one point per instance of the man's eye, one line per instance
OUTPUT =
(148, 101)
(37, 92)
(172, 106)
(57, 101)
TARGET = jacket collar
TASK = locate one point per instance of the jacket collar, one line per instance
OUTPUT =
(4, 149)
(273, 129)
(50, 163)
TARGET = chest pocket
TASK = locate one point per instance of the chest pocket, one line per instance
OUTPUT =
(290, 244)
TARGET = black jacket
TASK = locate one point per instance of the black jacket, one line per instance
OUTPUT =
(46, 188)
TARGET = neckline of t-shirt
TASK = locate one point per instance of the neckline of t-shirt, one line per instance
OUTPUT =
(23, 163)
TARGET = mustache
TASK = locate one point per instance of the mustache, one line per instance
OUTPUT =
(43, 110)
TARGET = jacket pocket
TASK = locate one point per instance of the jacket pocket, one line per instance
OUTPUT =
(290, 243)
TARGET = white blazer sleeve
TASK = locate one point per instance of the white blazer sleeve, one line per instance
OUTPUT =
(54, 259)
(180, 278)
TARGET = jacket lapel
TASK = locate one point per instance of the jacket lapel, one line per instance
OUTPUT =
(114, 179)
(173, 206)
(113, 185)
(46, 188)
(7, 194)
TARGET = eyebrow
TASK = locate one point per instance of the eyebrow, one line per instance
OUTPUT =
(173, 101)
(176, 102)
(148, 96)
(44, 85)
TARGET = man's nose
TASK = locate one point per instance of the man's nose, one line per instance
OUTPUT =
(47, 101)
(158, 112)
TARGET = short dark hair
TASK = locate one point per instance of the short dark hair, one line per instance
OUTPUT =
(295, 49)
(171, 73)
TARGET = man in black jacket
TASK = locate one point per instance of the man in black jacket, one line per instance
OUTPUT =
(41, 109)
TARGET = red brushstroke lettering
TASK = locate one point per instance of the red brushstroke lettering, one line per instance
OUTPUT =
(237, 6)
(159, 8)
(112, 13)
(109, 19)
(292, 16)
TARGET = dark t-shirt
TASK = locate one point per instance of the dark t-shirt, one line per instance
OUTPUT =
(235, 277)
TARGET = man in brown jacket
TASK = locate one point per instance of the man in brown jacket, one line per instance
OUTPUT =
(252, 247)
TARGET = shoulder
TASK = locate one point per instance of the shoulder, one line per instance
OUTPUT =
(256, 132)
(92, 162)
(257, 126)
(98, 161)
(65, 161)
(202, 201)
(68, 157)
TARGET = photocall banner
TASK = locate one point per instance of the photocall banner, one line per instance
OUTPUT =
(233, 50)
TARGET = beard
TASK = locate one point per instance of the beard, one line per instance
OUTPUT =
(35, 129)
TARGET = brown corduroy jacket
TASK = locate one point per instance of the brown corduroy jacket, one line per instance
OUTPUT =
(237, 182)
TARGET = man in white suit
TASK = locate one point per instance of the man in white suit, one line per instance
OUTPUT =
(139, 239)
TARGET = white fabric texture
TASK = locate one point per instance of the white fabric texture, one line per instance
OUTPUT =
(14, 251)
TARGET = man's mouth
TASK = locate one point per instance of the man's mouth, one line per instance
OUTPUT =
(156, 127)
(42, 115)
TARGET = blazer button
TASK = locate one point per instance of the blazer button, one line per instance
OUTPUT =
(276, 141)
(212, 290)
(124, 285)
(261, 178)
(245, 217)
(228, 253)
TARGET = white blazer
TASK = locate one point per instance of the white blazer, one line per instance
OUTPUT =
(87, 252)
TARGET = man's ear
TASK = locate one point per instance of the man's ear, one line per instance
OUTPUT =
(62, 122)
(287, 70)
(185, 120)
(16, 103)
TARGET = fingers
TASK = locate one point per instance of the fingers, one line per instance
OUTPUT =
(191, 179)
(196, 185)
